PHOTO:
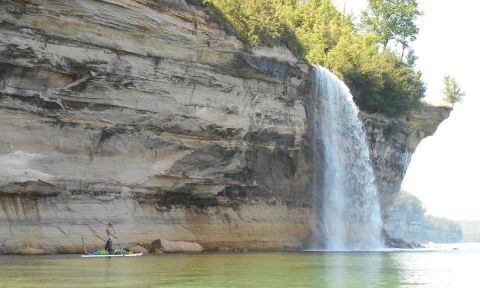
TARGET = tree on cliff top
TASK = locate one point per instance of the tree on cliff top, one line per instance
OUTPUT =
(380, 81)
(392, 20)
(452, 91)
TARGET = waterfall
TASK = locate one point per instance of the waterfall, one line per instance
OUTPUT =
(349, 212)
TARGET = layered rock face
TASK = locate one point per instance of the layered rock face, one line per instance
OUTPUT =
(148, 115)
(392, 144)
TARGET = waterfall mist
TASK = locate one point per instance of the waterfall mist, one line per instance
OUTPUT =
(347, 206)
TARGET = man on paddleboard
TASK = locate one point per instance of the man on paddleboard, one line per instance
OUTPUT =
(110, 235)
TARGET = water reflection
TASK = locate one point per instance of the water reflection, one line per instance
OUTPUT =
(268, 270)
(446, 268)
(360, 270)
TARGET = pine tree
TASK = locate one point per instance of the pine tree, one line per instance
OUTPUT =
(452, 91)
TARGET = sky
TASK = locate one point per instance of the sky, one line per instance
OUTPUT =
(444, 172)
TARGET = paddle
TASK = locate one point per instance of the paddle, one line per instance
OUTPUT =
(84, 246)
(114, 232)
(116, 237)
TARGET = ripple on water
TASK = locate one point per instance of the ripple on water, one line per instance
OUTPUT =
(440, 268)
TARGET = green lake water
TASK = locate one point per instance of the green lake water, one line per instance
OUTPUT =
(427, 268)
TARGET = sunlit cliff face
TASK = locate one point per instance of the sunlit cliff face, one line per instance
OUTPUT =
(158, 121)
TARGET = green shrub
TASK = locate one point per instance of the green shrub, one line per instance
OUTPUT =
(317, 32)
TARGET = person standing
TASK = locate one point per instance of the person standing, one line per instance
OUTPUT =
(110, 235)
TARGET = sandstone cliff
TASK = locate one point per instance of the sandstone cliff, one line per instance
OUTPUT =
(393, 142)
(148, 115)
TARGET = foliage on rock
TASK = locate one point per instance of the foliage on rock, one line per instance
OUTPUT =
(407, 220)
(317, 32)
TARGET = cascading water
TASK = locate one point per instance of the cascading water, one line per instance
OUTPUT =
(349, 207)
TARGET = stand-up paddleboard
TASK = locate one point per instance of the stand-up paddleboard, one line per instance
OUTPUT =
(122, 252)
(113, 255)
